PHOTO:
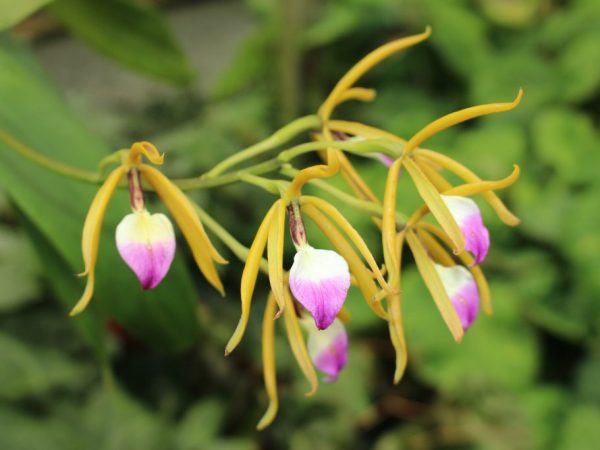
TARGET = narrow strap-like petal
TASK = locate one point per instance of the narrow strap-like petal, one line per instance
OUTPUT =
(366, 64)
(436, 205)
(457, 117)
(148, 150)
(427, 270)
(466, 174)
(468, 261)
(347, 227)
(296, 338)
(388, 223)
(440, 183)
(268, 358)
(186, 217)
(362, 275)
(276, 239)
(396, 325)
(249, 278)
(92, 228)
(434, 248)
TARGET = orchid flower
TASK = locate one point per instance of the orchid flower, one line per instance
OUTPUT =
(146, 242)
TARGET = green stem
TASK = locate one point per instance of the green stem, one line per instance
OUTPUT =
(280, 137)
(362, 148)
(371, 208)
(186, 184)
(44, 161)
(238, 249)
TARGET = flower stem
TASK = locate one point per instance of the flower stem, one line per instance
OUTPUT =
(44, 161)
(280, 137)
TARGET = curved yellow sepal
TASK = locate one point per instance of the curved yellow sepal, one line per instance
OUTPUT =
(187, 218)
(354, 236)
(395, 323)
(275, 241)
(467, 175)
(480, 187)
(388, 221)
(366, 64)
(92, 228)
(146, 149)
(249, 278)
(268, 359)
(467, 260)
(434, 284)
(457, 117)
(296, 338)
(362, 275)
(436, 204)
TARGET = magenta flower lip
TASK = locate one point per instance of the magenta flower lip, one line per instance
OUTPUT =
(468, 217)
(319, 280)
(147, 244)
(462, 291)
(328, 349)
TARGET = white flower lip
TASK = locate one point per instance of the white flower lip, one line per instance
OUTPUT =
(319, 280)
(147, 244)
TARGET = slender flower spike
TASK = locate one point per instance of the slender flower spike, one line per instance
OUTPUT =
(462, 290)
(147, 244)
(328, 348)
(319, 279)
(468, 217)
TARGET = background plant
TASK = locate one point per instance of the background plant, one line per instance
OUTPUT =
(524, 379)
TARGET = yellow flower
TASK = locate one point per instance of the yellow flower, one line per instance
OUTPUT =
(176, 201)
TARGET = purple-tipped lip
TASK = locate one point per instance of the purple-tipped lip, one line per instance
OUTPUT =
(150, 263)
(323, 298)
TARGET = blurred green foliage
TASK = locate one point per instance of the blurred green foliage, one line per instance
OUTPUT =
(145, 370)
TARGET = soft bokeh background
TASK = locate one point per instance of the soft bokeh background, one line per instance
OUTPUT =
(81, 78)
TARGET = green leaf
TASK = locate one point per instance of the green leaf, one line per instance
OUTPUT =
(115, 421)
(210, 414)
(28, 371)
(133, 35)
(567, 141)
(19, 269)
(580, 430)
(12, 12)
(56, 206)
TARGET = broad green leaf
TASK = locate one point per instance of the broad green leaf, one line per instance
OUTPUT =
(131, 34)
(28, 371)
(19, 270)
(113, 420)
(25, 432)
(34, 114)
(189, 435)
(12, 12)
(568, 142)
(458, 32)
(580, 430)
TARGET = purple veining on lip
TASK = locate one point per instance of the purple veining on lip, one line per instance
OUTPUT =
(150, 263)
(468, 217)
(319, 280)
(328, 349)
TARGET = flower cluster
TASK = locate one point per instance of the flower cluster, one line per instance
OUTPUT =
(308, 297)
